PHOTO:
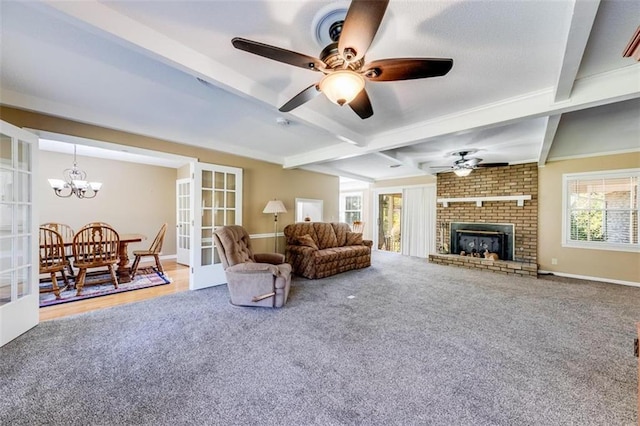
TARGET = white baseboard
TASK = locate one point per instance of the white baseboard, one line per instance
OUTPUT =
(269, 235)
(584, 277)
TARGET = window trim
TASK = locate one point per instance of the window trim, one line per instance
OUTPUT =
(595, 245)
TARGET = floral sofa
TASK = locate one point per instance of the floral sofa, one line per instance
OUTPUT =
(319, 249)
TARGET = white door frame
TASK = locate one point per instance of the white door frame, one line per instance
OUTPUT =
(22, 313)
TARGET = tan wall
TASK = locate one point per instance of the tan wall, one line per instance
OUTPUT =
(124, 202)
(612, 265)
(262, 181)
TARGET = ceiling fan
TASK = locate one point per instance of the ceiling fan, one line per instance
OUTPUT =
(464, 166)
(342, 61)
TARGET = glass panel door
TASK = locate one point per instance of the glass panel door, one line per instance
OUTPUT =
(183, 220)
(18, 233)
(218, 202)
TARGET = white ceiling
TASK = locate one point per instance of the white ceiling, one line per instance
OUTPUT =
(524, 73)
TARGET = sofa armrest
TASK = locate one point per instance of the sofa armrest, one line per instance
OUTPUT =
(367, 243)
(272, 258)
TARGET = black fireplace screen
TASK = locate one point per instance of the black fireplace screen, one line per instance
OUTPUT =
(476, 238)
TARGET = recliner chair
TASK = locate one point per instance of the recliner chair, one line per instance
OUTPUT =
(260, 279)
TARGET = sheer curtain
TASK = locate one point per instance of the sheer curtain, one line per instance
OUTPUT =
(418, 221)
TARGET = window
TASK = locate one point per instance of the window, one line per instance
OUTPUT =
(601, 210)
(351, 207)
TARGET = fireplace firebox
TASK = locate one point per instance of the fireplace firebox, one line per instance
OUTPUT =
(476, 238)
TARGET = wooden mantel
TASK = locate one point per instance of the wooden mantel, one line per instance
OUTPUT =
(520, 199)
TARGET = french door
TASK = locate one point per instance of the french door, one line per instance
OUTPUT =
(216, 202)
(19, 264)
(183, 220)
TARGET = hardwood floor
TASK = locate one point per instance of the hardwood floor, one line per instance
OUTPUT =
(179, 275)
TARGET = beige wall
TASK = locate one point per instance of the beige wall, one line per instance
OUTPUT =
(124, 202)
(611, 265)
(262, 181)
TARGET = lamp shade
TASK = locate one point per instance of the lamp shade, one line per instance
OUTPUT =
(274, 206)
(56, 183)
(341, 87)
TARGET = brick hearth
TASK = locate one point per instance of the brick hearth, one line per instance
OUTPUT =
(498, 266)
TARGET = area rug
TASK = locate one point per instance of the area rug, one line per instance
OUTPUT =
(149, 278)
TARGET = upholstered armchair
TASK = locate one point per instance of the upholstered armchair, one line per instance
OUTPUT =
(253, 279)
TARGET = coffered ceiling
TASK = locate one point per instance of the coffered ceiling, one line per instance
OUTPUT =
(524, 74)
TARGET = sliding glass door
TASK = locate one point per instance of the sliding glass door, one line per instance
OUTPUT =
(389, 222)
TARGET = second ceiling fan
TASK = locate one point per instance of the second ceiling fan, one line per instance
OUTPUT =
(464, 166)
(342, 61)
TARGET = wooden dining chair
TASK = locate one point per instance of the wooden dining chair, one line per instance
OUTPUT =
(52, 259)
(154, 251)
(67, 234)
(97, 224)
(95, 247)
(64, 230)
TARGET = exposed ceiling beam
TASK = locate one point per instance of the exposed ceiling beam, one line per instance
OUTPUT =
(85, 115)
(582, 19)
(400, 161)
(320, 168)
(614, 86)
(549, 135)
(103, 20)
(390, 157)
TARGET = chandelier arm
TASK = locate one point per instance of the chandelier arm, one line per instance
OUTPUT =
(59, 193)
(75, 182)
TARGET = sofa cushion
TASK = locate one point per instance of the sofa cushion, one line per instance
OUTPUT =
(325, 236)
(340, 253)
(341, 230)
(353, 239)
(294, 230)
(306, 240)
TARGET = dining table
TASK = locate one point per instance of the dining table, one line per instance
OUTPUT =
(124, 269)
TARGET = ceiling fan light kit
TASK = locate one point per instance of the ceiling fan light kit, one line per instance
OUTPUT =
(464, 166)
(341, 87)
(462, 171)
(342, 60)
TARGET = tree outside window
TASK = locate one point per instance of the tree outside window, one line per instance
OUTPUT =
(351, 207)
(602, 209)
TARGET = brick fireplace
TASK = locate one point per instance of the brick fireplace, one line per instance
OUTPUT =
(495, 207)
